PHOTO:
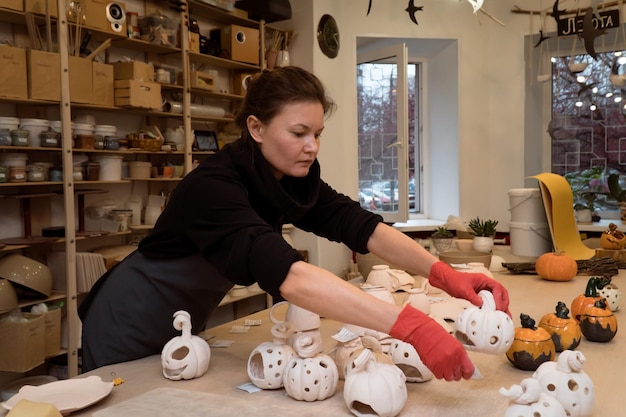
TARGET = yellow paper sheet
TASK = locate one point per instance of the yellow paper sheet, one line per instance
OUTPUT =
(558, 201)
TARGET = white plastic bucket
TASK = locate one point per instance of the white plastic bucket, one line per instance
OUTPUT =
(13, 159)
(526, 205)
(83, 129)
(530, 239)
(105, 130)
(11, 123)
(35, 127)
(110, 167)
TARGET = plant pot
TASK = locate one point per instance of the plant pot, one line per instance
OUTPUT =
(483, 243)
(584, 215)
(442, 244)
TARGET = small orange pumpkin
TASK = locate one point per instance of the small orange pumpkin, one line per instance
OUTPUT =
(598, 323)
(564, 330)
(556, 266)
(531, 347)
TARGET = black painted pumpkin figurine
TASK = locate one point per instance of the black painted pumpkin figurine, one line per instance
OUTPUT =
(564, 330)
(531, 347)
(598, 323)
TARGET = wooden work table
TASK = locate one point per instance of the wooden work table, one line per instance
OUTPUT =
(217, 389)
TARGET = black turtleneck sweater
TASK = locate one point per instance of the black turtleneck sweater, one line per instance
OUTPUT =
(231, 209)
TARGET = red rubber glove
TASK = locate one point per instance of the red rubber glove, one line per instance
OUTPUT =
(439, 351)
(467, 285)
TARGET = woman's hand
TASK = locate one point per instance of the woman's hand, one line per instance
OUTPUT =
(439, 351)
(467, 285)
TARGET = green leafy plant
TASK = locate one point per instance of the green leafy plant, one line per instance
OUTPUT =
(442, 232)
(482, 227)
(616, 192)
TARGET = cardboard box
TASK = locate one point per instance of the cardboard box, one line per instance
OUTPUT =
(134, 70)
(39, 7)
(133, 93)
(194, 42)
(202, 80)
(81, 80)
(23, 344)
(52, 323)
(103, 84)
(241, 43)
(13, 72)
(14, 5)
(44, 75)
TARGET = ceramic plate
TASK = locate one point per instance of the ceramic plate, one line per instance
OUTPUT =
(67, 395)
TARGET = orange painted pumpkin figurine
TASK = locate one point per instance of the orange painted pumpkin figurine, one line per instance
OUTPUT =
(564, 330)
(589, 297)
(556, 266)
(612, 238)
(531, 347)
(598, 323)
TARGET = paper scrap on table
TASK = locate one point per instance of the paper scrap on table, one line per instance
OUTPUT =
(221, 343)
(476, 375)
(249, 388)
(251, 322)
(206, 336)
(239, 329)
(344, 335)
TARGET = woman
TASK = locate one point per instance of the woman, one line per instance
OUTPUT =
(222, 226)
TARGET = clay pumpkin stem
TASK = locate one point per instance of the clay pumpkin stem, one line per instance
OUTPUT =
(561, 310)
(590, 290)
(603, 281)
(527, 321)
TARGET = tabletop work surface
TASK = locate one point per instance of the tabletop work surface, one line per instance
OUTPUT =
(145, 392)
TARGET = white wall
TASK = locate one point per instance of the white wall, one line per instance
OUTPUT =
(491, 97)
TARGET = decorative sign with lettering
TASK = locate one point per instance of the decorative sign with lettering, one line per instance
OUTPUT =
(574, 25)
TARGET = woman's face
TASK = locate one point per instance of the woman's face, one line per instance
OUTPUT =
(290, 141)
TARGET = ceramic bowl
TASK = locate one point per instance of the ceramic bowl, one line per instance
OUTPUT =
(464, 234)
(27, 273)
(465, 257)
(464, 244)
(8, 296)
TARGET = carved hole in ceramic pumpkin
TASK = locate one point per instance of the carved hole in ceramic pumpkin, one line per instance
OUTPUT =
(410, 371)
(462, 337)
(551, 387)
(572, 385)
(406, 354)
(493, 340)
(180, 353)
(363, 409)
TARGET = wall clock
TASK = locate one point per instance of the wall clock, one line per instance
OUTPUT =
(328, 36)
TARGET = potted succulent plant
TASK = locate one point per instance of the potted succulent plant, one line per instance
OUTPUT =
(442, 239)
(484, 232)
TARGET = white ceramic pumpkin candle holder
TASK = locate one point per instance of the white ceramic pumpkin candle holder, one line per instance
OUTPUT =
(405, 357)
(310, 378)
(528, 400)
(391, 279)
(485, 329)
(612, 294)
(373, 388)
(267, 362)
(568, 383)
(347, 342)
(185, 356)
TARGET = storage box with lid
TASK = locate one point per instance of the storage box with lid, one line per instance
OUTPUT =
(14, 5)
(52, 323)
(81, 80)
(23, 343)
(133, 70)
(39, 7)
(13, 72)
(141, 94)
